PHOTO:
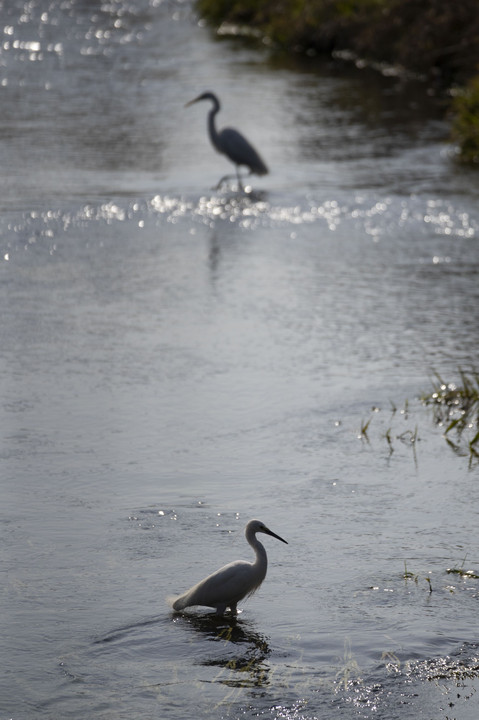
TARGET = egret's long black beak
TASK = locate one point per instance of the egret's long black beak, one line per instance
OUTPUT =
(270, 532)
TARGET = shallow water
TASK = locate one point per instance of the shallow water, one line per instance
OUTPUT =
(177, 360)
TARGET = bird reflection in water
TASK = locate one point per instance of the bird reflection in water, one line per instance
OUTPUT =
(244, 651)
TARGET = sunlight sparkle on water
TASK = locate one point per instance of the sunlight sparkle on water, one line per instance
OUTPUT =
(250, 213)
(447, 222)
(293, 713)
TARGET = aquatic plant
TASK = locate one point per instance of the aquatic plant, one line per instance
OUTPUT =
(388, 438)
(456, 407)
(461, 572)
(408, 575)
(363, 430)
(349, 670)
(408, 437)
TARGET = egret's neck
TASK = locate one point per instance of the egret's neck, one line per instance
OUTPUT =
(261, 557)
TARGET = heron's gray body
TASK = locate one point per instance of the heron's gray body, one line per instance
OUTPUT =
(232, 143)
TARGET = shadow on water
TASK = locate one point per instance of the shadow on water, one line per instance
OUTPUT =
(242, 651)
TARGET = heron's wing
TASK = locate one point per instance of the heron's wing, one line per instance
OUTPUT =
(233, 144)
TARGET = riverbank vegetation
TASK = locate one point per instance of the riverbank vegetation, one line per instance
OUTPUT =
(436, 39)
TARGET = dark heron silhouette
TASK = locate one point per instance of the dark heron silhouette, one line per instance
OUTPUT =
(231, 143)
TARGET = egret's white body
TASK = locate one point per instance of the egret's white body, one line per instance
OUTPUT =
(227, 586)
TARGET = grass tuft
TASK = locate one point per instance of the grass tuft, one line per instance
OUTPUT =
(408, 575)
(363, 431)
(455, 407)
(461, 572)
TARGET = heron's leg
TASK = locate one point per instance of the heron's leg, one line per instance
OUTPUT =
(240, 182)
(222, 181)
(229, 177)
(233, 608)
(221, 609)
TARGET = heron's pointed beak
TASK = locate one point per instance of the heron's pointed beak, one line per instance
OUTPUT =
(192, 102)
(270, 532)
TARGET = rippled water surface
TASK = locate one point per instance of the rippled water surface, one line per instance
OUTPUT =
(176, 360)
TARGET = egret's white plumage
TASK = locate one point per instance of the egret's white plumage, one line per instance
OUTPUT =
(227, 586)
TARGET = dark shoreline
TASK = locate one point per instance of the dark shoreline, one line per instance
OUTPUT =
(435, 39)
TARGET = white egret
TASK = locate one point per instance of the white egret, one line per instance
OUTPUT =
(231, 143)
(233, 582)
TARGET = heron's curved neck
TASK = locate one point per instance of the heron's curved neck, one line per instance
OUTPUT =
(211, 123)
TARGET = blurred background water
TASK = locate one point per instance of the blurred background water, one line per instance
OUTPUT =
(176, 360)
